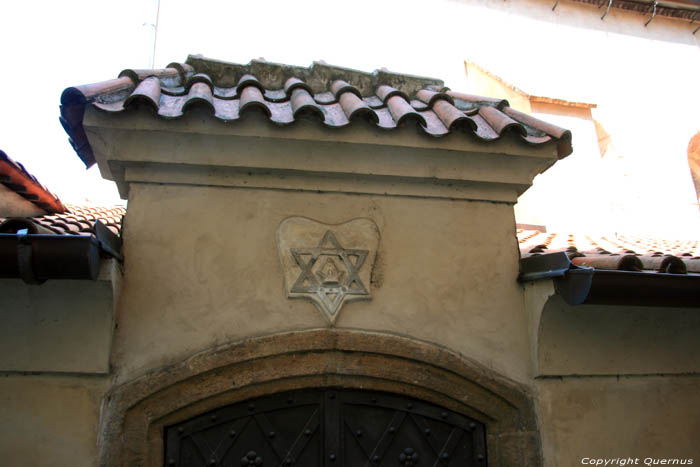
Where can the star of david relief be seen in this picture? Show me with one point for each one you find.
(328, 264)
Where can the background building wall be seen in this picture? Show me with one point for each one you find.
(642, 79)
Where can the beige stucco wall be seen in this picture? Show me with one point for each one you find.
(203, 269)
(614, 381)
(614, 417)
(55, 345)
(50, 420)
(617, 340)
(59, 326)
(483, 83)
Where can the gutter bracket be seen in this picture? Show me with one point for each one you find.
(652, 14)
(607, 10)
(575, 286)
(24, 258)
(108, 241)
(544, 267)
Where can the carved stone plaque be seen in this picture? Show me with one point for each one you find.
(328, 264)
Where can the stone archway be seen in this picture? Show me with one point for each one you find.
(135, 414)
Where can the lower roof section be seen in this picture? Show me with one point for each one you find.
(587, 285)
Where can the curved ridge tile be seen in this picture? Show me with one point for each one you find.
(227, 109)
(535, 140)
(295, 92)
(386, 92)
(386, 121)
(304, 105)
(111, 107)
(433, 127)
(374, 102)
(295, 83)
(171, 106)
(340, 87)
(401, 110)
(251, 97)
(501, 122)
(161, 73)
(420, 106)
(184, 70)
(148, 91)
(451, 116)
(335, 116)
(98, 91)
(275, 95)
(477, 101)
(199, 94)
(483, 130)
(536, 123)
(324, 98)
(563, 137)
(199, 78)
(430, 97)
(225, 93)
(249, 80)
(281, 112)
(354, 107)
(172, 91)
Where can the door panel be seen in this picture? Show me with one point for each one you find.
(330, 428)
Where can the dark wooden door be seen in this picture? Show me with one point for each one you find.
(327, 427)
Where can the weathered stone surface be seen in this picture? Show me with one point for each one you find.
(136, 412)
(328, 264)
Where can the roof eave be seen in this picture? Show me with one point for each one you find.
(584, 285)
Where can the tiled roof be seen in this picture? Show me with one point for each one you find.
(15, 177)
(683, 9)
(333, 96)
(614, 252)
(80, 219)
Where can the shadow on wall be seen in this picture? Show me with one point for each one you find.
(617, 340)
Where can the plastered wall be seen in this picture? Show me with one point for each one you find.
(610, 417)
(614, 381)
(50, 420)
(203, 269)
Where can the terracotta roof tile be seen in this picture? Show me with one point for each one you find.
(614, 252)
(331, 95)
(15, 177)
(80, 219)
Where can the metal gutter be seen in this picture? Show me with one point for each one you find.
(36, 258)
(682, 9)
(585, 285)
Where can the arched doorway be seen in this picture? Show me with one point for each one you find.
(331, 427)
(139, 416)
